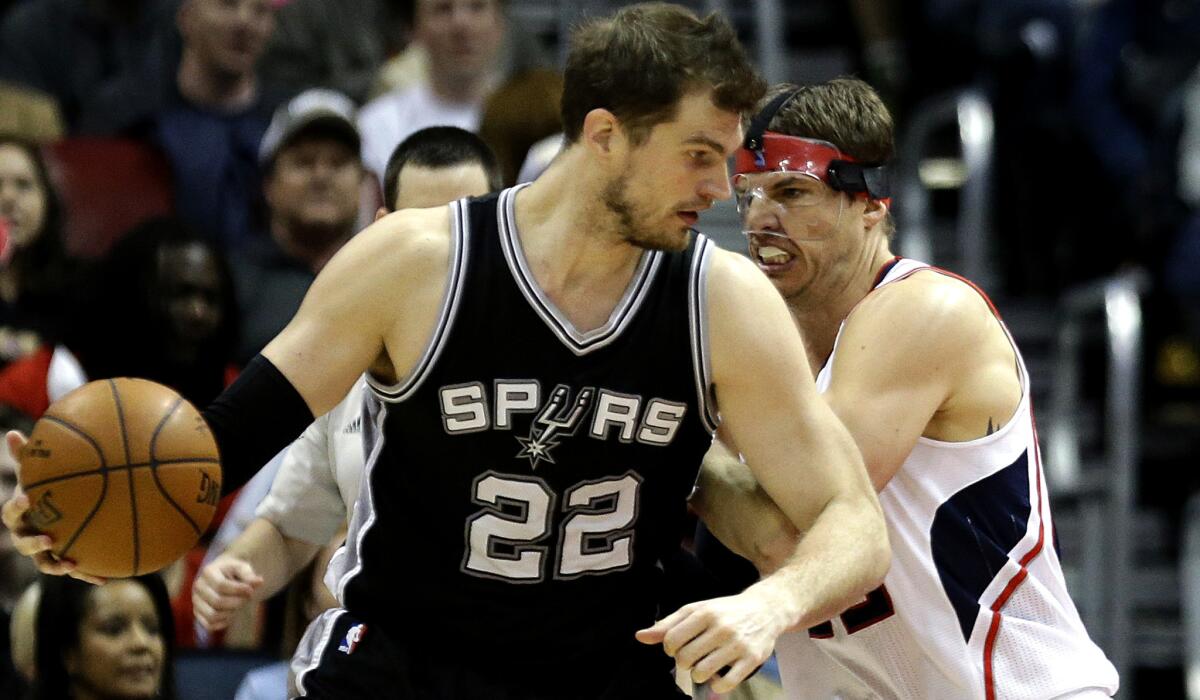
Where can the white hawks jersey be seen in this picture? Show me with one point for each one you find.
(975, 604)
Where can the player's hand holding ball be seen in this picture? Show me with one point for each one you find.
(25, 538)
(119, 478)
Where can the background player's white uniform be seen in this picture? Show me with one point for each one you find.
(975, 604)
(318, 480)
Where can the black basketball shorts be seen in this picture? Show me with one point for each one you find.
(341, 657)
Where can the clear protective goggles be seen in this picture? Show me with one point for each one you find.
(784, 185)
(788, 180)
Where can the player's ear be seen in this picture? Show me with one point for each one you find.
(380, 213)
(875, 211)
(600, 132)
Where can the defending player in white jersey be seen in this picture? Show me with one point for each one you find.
(917, 364)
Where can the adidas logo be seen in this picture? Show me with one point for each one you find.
(354, 426)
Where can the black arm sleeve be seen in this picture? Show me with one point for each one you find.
(257, 416)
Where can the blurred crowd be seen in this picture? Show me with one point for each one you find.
(175, 173)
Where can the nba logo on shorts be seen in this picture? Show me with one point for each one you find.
(353, 636)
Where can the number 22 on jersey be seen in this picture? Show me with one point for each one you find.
(507, 538)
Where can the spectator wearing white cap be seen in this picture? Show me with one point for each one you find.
(312, 177)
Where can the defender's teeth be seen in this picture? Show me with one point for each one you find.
(772, 255)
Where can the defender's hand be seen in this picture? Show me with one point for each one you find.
(27, 540)
(737, 632)
(222, 588)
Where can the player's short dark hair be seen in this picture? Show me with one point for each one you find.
(846, 112)
(438, 147)
(639, 62)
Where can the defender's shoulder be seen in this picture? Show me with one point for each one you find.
(944, 309)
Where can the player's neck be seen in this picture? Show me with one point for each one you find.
(819, 312)
(562, 221)
(572, 243)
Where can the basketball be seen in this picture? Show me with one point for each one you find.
(123, 474)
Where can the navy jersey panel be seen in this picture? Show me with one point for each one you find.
(973, 533)
(527, 490)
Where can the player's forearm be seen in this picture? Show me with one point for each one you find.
(739, 512)
(255, 418)
(274, 556)
(841, 558)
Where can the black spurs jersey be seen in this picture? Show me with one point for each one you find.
(524, 482)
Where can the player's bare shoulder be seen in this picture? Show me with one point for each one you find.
(943, 309)
(415, 248)
(416, 242)
(934, 327)
(746, 318)
(734, 279)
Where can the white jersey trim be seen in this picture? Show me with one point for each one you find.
(698, 326)
(348, 559)
(329, 620)
(459, 243)
(580, 343)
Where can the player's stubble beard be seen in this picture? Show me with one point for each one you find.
(616, 199)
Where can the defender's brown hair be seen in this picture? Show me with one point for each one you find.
(845, 112)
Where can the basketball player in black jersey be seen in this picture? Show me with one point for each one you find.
(548, 365)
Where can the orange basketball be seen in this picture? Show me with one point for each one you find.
(123, 474)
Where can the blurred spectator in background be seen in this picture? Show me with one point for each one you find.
(29, 114)
(337, 44)
(163, 308)
(1179, 357)
(109, 641)
(520, 113)
(100, 59)
(520, 50)
(1017, 55)
(15, 570)
(1129, 108)
(463, 40)
(312, 180)
(211, 125)
(1133, 106)
(34, 268)
(160, 306)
